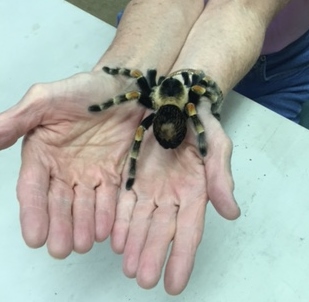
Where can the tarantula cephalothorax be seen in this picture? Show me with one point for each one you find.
(174, 99)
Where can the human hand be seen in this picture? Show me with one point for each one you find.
(168, 203)
(71, 160)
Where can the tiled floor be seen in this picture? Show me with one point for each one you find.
(104, 9)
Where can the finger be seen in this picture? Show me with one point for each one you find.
(32, 193)
(106, 196)
(189, 231)
(154, 253)
(20, 119)
(139, 226)
(83, 218)
(125, 207)
(60, 236)
(220, 184)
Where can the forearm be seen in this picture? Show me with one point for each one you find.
(151, 34)
(227, 39)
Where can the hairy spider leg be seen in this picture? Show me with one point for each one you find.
(208, 88)
(139, 135)
(134, 73)
(186, 78)
(196, 78)
(142, 97)
(161, 79)
(141, 80)
(214, 90)
(198, 126)
(151, 77)
(117, 100)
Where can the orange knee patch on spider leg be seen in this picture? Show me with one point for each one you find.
(139, 133)
(198, 89)
(132, 95)
(136, 73)
(191, 109)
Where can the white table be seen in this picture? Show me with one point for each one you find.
(263, 256)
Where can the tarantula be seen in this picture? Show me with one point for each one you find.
(174, 99)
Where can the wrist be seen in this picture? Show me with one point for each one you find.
(228, 48)
(151, 34)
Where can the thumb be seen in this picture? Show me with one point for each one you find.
(220, 184)
(24, 116)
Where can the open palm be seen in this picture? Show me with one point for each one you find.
(168, 203)
(71, 160)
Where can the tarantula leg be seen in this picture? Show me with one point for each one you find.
(199, 128)
(117, 100)
(139, 135)
(216, 115)
(186, 78)
(195, 78)
(151, 76)
(205, 91)
(161, 79)
(208, 88)
(134, 73)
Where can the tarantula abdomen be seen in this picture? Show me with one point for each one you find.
(169, 126)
